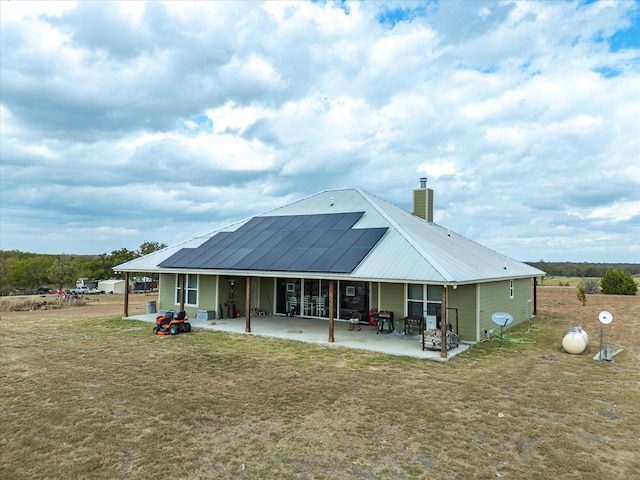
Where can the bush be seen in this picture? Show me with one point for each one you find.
(590, 285)
(616, 282)
(581, 296)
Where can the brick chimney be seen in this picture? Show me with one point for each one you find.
(423, 201)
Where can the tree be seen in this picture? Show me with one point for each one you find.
(121, 256)
(100, 267)
(62, 272)
(30, 273)
(149, 247)
(616, 282)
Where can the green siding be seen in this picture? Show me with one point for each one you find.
(464, 299)
(206, 294)
(207, 299)
(267, 289)
(167, 292)
(522, 301)
(494, 297)
(392, 298)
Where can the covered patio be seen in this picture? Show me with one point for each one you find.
(314, 330)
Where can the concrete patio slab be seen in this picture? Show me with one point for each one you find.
(316, 330)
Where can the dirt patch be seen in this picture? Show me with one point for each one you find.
(94, 306)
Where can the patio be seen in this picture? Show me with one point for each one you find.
(315, 330)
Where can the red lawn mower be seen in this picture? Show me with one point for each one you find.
(172, 323)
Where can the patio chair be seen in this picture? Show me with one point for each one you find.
(320, 310)
(293, 303)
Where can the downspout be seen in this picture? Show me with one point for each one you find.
(247, 327)
(331, 309)
(126, 294)
(443, 322)
(535, 295)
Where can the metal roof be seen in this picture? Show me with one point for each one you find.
(411, 250)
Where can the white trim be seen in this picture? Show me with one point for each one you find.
(186, 289)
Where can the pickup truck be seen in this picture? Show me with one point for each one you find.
(84, 290)
(79, 290)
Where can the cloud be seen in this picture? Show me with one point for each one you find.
(135, 121)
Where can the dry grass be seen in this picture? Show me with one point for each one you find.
(42, 303)
(87, 397)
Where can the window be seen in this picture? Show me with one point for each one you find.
(511, 289)
(423, 300)
(415, 300)
(190, 289)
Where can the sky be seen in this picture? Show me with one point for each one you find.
(132, 122)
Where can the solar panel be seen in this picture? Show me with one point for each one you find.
(291, 243)
(327, 261)
(310, 239)
(311, 222)
(329, 238)
(304, 263)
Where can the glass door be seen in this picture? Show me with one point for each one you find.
(311, 292)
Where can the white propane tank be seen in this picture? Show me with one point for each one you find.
(575, 341)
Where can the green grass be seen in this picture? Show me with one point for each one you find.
(104, 398)
(562, 281)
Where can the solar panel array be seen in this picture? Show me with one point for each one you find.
(289, 243)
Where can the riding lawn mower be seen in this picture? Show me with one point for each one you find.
(172, 323)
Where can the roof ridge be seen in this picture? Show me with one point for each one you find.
(435, 264)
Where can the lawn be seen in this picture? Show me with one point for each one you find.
(565, 281)
(92, 396)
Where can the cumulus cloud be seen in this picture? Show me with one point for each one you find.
(135, 121)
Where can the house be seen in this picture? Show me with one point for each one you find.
(341, 253)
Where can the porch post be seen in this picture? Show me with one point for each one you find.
(331, 309)
(182, 280)
(126, 294)
(247, 327)
(443, 322)
(535, 295)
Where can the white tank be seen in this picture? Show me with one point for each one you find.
(575, 341)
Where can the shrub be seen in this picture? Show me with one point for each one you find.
(616, 282)
(590, 285)
(581, 295)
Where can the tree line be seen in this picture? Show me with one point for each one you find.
(587, 270)
(28, 272)
(24, 272)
